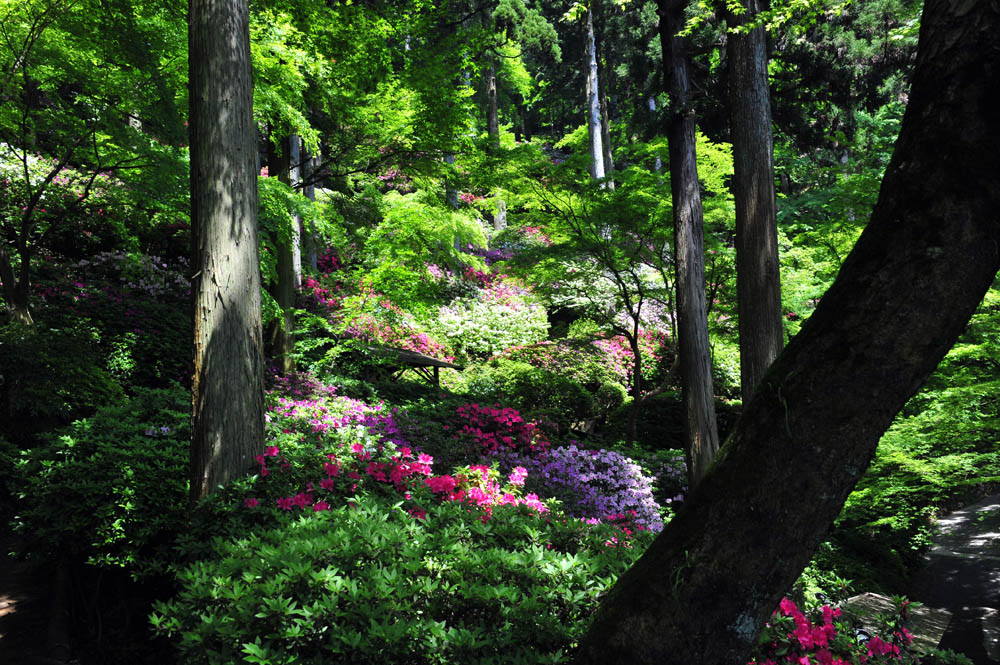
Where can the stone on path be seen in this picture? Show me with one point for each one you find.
(928, 624)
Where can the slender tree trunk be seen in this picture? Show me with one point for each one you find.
(638, 388)
(594, 125)
(701, 430)
(703, 590)
(609, 161)
(450, 193)
(758, 284)
(492, 105)
(228, 391)
(309, 191)
(289, 262)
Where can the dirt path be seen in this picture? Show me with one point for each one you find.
(962, 575)
(24, 609)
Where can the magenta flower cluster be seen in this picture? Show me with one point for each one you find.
(492, 429)
(311, 411)
(793, 637)
(619, 356)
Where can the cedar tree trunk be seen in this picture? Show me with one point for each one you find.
(758, 285)
(703, 590)
(492, 105)
(228, 389)
(594, 125)
(701, 430)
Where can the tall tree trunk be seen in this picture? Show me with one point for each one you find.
(701, 430)
(758, 284)
(14, 296)
(450, 193)
(289, 262)
(594, 125)
(609, 161)
(703, 590)
(309, 191)
(228, 389)
(492, 104)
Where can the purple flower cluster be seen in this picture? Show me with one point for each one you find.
(491, 256)
(592, 484)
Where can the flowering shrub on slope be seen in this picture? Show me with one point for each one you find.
(592, 484)
(827, 638)
(500, 316)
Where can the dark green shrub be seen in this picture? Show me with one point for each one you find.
(608, 398)
(534, 391)
(369, 583)
(111, 489)
(661, 421)
(574, 358)
(50, 377)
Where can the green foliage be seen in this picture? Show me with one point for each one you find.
(51, 376)
(118, 481)
(414, 232)
(533, 390)
(369, 583)
(608, 398)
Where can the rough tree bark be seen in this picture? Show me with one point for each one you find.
(758, 285)
(701, 431)
(492, 104)
(705, 587)
(228, 389)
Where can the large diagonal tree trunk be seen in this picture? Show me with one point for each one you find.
(701, 431)
(228, 389)
(704, 589)
(758, 285)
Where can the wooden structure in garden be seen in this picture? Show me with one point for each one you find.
(427, 367)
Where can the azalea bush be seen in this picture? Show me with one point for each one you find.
(348, 543)
(535, 390)
(490, 429)
(367, 582)
(51, 376)
(119, 479)
(828, 636)
(591, 484)
(575, 359)
(498, 317)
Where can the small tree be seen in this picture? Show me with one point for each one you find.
(611, 257)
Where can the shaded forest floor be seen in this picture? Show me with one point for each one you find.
(962, 575)
(25, 603)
